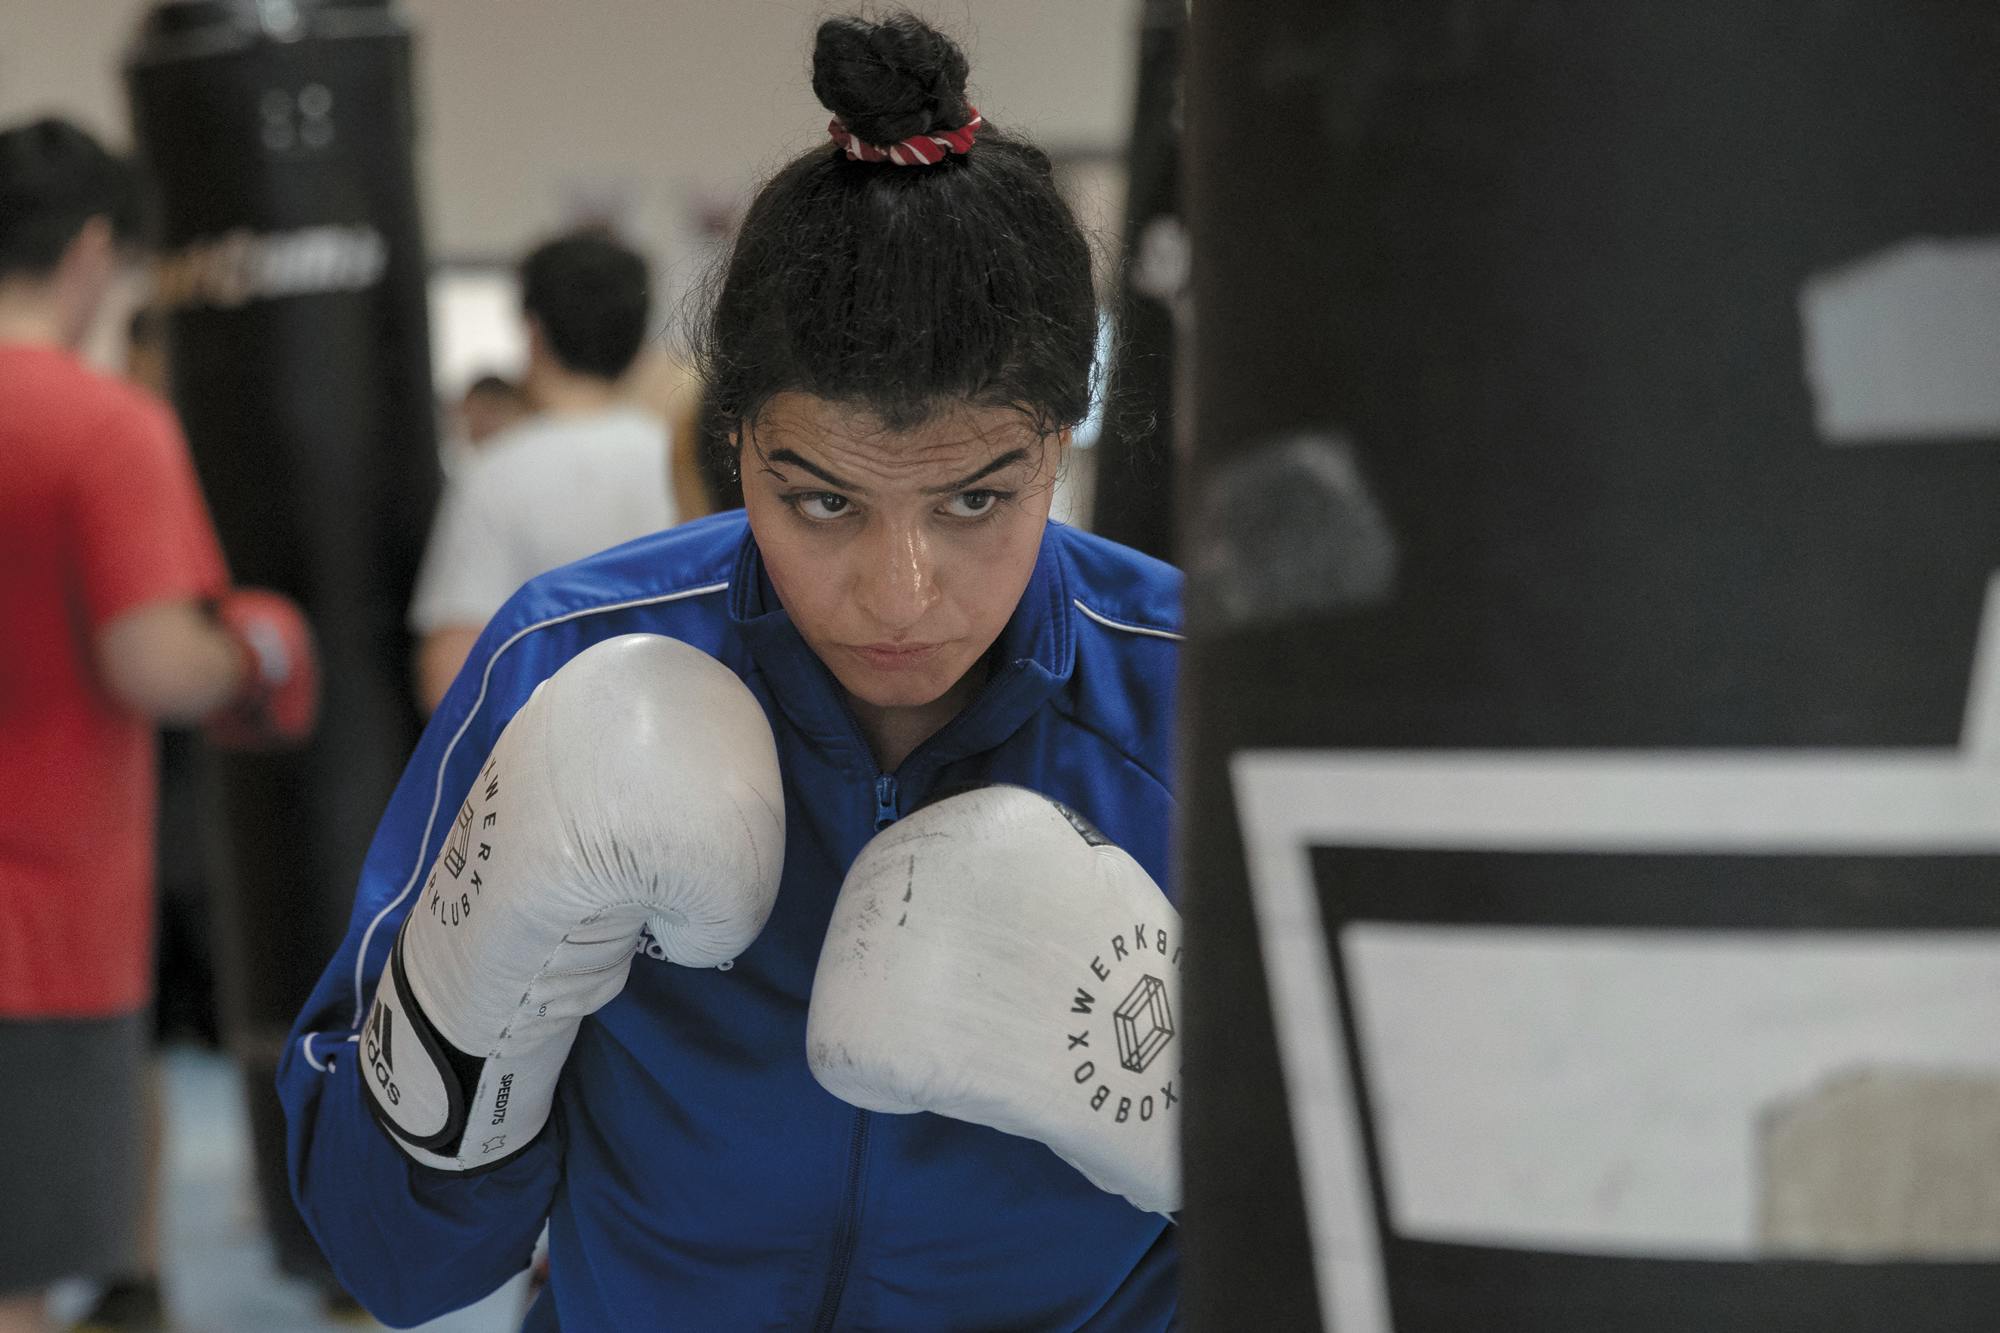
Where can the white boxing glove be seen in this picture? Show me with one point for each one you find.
(994, 959)
(637, 788)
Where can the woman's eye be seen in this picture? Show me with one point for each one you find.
(821, 505)
(972, 504)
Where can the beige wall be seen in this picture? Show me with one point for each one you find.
(535, 109)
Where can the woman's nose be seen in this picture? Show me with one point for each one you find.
(899, 580)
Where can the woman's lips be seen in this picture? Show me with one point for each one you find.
(894, 656)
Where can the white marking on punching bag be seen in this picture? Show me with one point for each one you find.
(1585, 1090)
(1903, 345)
(1289, 529)
(1785, 801)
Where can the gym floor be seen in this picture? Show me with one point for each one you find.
(219, 1276)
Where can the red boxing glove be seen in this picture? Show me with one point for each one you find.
(278, 702)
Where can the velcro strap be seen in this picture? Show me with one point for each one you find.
(416, 1081)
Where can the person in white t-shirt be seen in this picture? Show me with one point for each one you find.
(588, 470)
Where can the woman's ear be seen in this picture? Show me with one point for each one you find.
(735, 437)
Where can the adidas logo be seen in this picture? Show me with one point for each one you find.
(375, 1048)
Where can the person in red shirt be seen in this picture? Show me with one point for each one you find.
(118, 616)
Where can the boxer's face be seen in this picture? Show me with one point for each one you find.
(899, 554)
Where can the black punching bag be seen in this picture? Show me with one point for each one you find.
(1133, 500)
(1593, 703)
(277, 139)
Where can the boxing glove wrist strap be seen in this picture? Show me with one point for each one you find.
(424, 1090)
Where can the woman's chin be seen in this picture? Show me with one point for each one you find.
(902, 692)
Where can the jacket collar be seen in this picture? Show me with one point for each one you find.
(1032, 659)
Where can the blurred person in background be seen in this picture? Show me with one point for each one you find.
(489, 405)
(588, 470)
(183, 961)
(120, 617)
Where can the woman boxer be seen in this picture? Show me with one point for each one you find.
(683, 745)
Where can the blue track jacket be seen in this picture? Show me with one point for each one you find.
(693, 1175)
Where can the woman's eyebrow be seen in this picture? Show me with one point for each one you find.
(787, 456)
(1006, 460)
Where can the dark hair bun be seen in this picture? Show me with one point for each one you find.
(890, 80)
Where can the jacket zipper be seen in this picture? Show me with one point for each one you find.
(885, 802)
(850, 1224)
(886, 795)
(857, 1148)
(888, 792)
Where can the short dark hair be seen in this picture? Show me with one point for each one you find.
(904, 290)
(591, 295)
(54, 177)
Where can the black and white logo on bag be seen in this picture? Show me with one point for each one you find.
(240, 266)
(1120, 1027)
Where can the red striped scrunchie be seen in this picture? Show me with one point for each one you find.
(919, 150)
